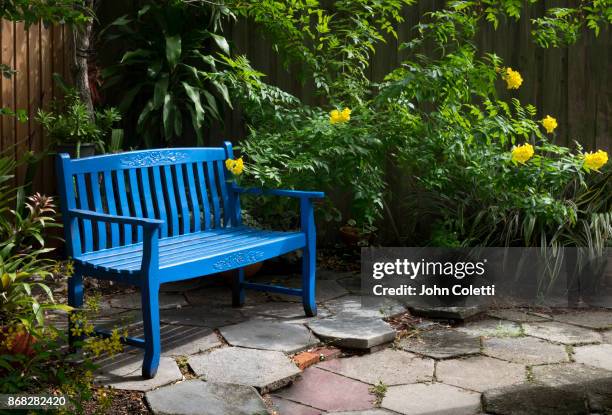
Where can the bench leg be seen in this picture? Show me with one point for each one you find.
(238, 289)
(308, 282)
(75, 299)
(150, 315)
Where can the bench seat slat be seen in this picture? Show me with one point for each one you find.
(208, 249)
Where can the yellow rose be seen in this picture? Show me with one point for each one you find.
(346, 114)
(549, 124)
(595, 161)
(521, 154)
(513, 78)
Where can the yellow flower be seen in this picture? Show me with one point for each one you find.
(336, 116)
(594, 161)
(235, 166)
(513, 78)
(522, 153)
(549, 124)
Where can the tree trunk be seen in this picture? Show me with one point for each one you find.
(81, 38)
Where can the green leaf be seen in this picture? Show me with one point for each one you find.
(160, 90)
(173, 50)
(168, 116)
(221, 42)
(128, 98)
(223, 91)
(133, 56)
(194, 96)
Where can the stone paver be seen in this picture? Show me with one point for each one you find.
(348, 330)
(480, 373)
(328, 391)
(527, 350)
(215, 296)
(124, 372)
(203, 316)
(595, 383)
(518, 316)
(529, 399)
(561, 333)
(365, 306)
(391, 367)
(132, 300)
(607, 336)
(491, 328)
(194, 397)
(429, 399)
(597, 319)
(265, 370)
(442, 344)
(598, 355)
(269, 335)
(351, 283)
(181, 286)
(282, 310)
(283, 406)
(325, 290)
(448, 313)
(185, 341)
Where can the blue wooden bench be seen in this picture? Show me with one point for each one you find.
(145, 218)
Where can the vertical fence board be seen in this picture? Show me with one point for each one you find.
(8, 87)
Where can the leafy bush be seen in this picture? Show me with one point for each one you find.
(172, 70)
(478, 170)
(69, 122)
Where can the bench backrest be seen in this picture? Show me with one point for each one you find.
(184, 187)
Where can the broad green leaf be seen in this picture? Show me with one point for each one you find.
(138, 55)
(194, 96)
(223, 91)
(173, 50)
(128, 98)
(168, 116)
(160, 90)
(221, 42)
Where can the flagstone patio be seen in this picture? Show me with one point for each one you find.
(219, 360)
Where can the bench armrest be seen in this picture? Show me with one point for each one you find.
(124, 220)
(302, 194)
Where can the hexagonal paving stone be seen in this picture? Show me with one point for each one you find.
(594, 383)
(325, 290)
(527, 350)
(595, 319)
(428, 399)
(283, 406)
(365, 306)
(123, 371)
(347, 330)
(194, 397)
(351, 283)
(266, 370)
(269, 335)
(480, 373)
(391, 367)
(529, 399)
(518, 316)
(491, 328)
(133, 301)
(442, 344)
(562, 333)
(329, 392)
(598, 355)
(203, 316)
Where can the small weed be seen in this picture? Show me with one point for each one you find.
(379, 390)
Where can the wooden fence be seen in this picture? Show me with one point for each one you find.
(35, 54)
(572, 84)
